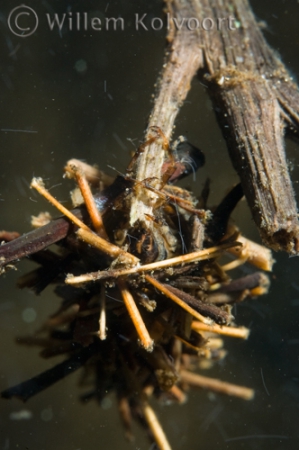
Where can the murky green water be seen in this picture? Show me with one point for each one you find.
(85, 94)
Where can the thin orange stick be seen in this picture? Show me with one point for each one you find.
(233, 264)
(213, 384)
(112, 250)
(84, 231)
(37, 183)
(177, 300)
(74, 170)
(197, 349)
(145, 339)
(200, 255)
(238, 332)
(155, 427)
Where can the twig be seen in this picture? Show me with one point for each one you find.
(177, 300)
(155, 427)
(58, 229)
(74, 170)
(240, 332)
(145, 339)
(218, 315)
(255, 97)
(213, 384)
(24, 391)
(201, 255)
(84, 233)
(182, 64)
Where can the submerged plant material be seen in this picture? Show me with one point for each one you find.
(146, 298)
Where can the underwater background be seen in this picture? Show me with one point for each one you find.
(87, 94)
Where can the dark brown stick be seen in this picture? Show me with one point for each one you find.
(59, 228)
(24, 391)
(255, 93)
(218, 315)
(255, 96)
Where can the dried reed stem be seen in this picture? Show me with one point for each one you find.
(200, 255)
(37, 184)
(240, 332)
(145, 339)
(213, 384)
(177, 300)
(155, 427)
(112, 250)
(75, 171)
